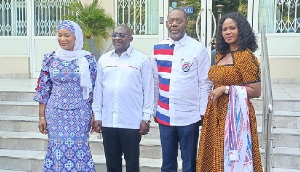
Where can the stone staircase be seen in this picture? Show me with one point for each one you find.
(22, 147)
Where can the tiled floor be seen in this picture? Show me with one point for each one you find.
(293, 90)
(280, 91)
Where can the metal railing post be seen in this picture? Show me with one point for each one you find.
(267, 128)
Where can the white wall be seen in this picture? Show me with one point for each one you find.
(284, 45)
(13, 46)
(144, 43)
(43, 45)
(14, 58)
(284, 54)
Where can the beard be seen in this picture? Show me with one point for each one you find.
(177, 36)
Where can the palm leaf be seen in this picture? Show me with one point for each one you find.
(92, 19)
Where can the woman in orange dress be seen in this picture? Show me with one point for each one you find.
(235, 64)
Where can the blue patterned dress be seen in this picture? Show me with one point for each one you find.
(67, 114)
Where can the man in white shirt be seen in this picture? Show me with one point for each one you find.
(180, 69)
(123, 101)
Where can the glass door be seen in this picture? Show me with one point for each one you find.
(192, 8)
(203, 17)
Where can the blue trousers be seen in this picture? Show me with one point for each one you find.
(187, 137)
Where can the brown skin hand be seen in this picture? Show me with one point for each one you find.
(97, 126)
(144, 128)
(42, 122)
(253, 91)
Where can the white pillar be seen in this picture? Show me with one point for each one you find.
(30, 35)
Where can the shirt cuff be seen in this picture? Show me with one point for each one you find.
(98, 116)
(202, 110)
(146, 116)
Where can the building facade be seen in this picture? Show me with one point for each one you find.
(27, 29)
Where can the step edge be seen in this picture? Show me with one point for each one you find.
(18, 103)
(93, 138)
(96, 158)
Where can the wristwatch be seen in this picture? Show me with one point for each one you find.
(147, 121)
(226, 89)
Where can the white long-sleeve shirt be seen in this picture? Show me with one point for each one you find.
(180, 70)
(124, 89)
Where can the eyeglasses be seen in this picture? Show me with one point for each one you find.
(120, 35)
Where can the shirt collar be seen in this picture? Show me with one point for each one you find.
(182, 41)
(128, 51)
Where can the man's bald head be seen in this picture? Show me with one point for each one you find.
(177, 24)
(122, 36)
(178, 9)
(128, 29)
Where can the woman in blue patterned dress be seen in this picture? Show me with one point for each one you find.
(64, 93)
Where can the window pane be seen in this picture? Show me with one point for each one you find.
(13, 15)
(48, 14)
(283, 16)
(140, 15)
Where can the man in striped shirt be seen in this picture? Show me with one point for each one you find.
(181, 87)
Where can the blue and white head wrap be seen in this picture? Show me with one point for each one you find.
(67, 24)
(75, 29)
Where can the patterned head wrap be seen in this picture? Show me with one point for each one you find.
(66, 24)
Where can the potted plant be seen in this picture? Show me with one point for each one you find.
(94, 22)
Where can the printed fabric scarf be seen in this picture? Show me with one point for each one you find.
(237, 140)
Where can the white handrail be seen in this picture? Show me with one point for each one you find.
(268, 113)
(215, 27)
(197, 25)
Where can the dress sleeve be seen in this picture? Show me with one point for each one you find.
(44, 84)
(93, 72)
(249, 68)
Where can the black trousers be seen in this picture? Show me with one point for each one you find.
(117, 141)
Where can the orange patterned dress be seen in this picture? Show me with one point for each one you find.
(244, 70)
